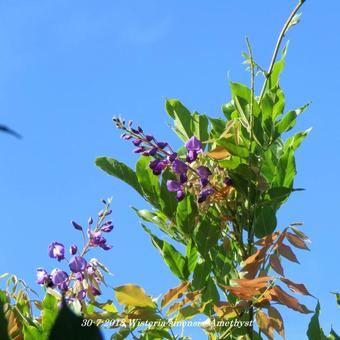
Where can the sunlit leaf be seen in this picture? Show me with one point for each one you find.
(174, 293)
(132, 295)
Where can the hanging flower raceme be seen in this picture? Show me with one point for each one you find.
(79, 269)
(165, 158)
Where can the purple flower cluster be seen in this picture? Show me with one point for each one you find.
(164, 157)
(79, 268)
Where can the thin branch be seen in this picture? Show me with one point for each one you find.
(278, 44)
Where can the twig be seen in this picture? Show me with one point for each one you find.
(278, 44)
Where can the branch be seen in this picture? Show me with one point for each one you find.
(278, 44)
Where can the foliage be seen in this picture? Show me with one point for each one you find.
(212, 217)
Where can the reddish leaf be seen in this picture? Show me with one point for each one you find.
(296, 241)
(245, 293)
(268, 240)
(287, 252)
(275, 263)
(263, 321)
(276, 320)
(279, 295)
(296, 287)
(258, 283)
(300, 234)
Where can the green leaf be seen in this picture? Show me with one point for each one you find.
(148, 182)
(119, 170)
(242, 100)
(265, 220)
(181, 116)
(191, 256)
(236, 150)
(218, 125)
(337, 295)
(70, 326)
(199, 126)
(201, 274)
(273, 80)
(228, 110)
(295, 141)
(32, 333)
(285, 170)
(49, 312)
(187, 124)
(315, 331)
(186, 214)
(333, 335)
(3, 324)
(211, 291)
(173, 258)
(206, 234)
(289, 120)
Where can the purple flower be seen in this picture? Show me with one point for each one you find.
(180, 195)
(77, 264)
(105, 246)
(228, 181)
(204, 194)
(139, 150)
(94, 291)
(126, 136)
(107, 228)
(90, 220)
(193, 144)
(137, 142)
(73, 249)
(174, 186)
(203, 171)
(96, 238)
(104, 213)
(183, 177)
(172, 157)
(56, 250)
(135, 131)
(157, 166)
(162, 145)
(204, 182)
(79, 276)
(42, 276)
(179, 167)
(149, 138)
(76, 225)
(81, 295)
(59, 278)
(150, 152)
(191, 156)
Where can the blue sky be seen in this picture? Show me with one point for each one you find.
(67, 67)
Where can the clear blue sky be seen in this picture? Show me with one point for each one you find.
(66, 67)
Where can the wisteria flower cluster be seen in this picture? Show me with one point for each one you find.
(187, 170)
(82, 277)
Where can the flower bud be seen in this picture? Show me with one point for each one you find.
(73, 249)
(76, 225)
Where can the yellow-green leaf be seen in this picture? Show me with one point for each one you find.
(132, 295)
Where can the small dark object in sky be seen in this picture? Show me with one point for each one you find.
(6, 129)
